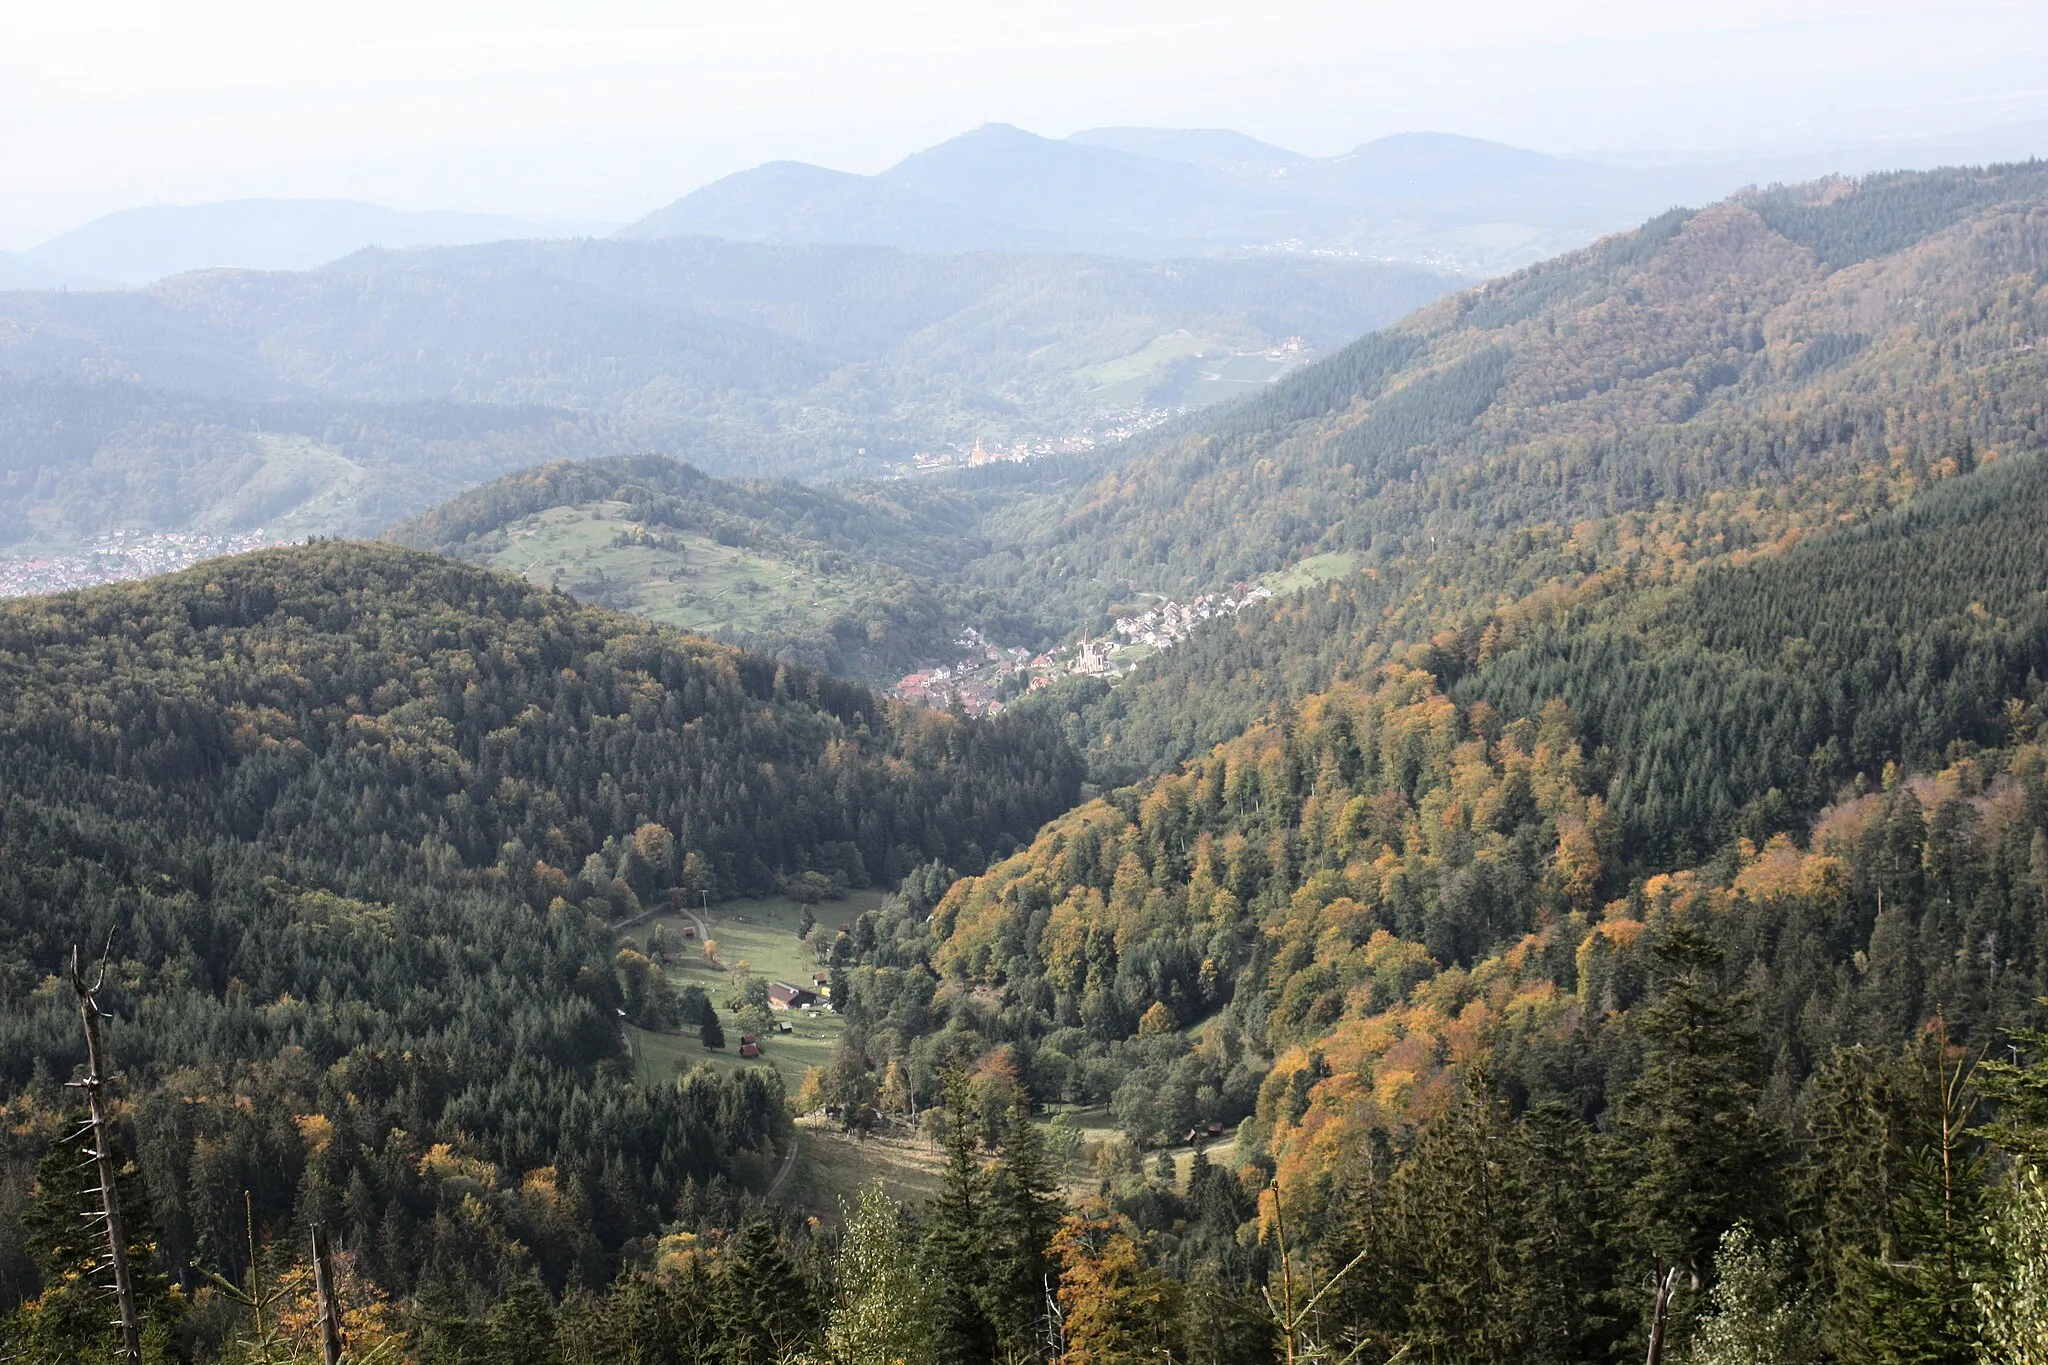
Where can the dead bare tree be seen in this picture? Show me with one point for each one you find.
(1293, 1309)
(329, 1306)
(1660, 1314)
(101, 1156)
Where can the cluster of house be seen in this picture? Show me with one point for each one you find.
(1107, 430)
(120, 557)
(985, 672)
(975, 677)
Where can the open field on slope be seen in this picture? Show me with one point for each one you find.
(1184, 368)
(687, 581)
(761, 934)
(1311, 571)
(833, 1166)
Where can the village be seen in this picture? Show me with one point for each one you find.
(118, 558)
(1111, 429)
(986, 676)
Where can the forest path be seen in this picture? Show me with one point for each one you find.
(788, 1165)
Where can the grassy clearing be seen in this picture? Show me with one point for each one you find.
(832, 1166)
(1125, 379)
(687, 581)
(1313, 570)
(1225, 377)
(761, 934)
(1184, 367)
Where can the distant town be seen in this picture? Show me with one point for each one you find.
(119, 558)
(986, 676)
(1108, 431)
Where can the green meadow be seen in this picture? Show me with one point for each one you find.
(761, 937)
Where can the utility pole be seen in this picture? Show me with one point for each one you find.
(102, 1155)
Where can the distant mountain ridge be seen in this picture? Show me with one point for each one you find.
(1453, 202)
(138, 246)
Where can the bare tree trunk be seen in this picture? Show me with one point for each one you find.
(102, 1153)
(1660, 1316)
(329, 1304)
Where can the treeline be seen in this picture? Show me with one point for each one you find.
(354, 822)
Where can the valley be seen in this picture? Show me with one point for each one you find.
(342, 400)
(1542, 797)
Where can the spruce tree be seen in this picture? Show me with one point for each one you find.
(1703, 1158)
(964, 1332)
(765, 1306)
(521, 1330)
(1914, 1302)
(1025, 1212)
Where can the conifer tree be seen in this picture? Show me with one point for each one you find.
(1024, 1214)
(765, 1305)
(964, 1332)
(68, 1320)
(1703, 1159)
(1915, 1301)
(521, 1330)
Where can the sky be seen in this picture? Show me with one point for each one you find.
(602, 110)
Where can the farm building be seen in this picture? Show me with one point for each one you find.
(783, 996)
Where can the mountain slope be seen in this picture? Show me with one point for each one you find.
(354, 821)
(1706, 596)
(1706, 351)
(1341, 930)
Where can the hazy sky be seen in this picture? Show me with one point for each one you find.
(604, 109)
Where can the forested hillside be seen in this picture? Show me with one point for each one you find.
(1819, 343)
(351, 822)
(1720, 939)
(1703, 390)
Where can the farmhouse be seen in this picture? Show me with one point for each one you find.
(783, 996)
